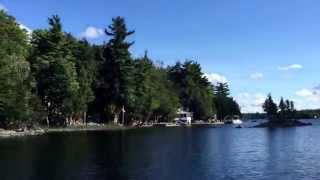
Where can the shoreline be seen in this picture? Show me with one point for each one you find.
(103, 127)
(285, 124)
(77, 128)
(90, 127)
(82, 128)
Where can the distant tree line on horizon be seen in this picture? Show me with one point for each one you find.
(52, 77)
(297, 114)
(300, 114)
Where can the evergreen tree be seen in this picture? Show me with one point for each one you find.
(85, 65)
(270, 108)
(194, 90)
(292, 110)
(55, 76)
(225, 105)
(282, 109)
(53, 67)
(222, 90)
(286, 110)
(117, 72)
(15, 80)
(144, 89)
(154, 98)
(165, 101)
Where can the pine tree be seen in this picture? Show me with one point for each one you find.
(54, 69)
(85, 65)
(282, 109)
(194, 90)
(15, 79)
(270, 108)
(226, 106)
(292, 110)
(144, 95)
(222, 90)
(117, 72)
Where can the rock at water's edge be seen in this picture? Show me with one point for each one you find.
(294, 123)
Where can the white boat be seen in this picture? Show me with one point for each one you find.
(233, 120)
(184, 118)
(172, 125)
(237, 121)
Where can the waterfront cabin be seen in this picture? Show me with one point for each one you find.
(183, 117)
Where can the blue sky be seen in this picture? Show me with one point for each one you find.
(256, 46)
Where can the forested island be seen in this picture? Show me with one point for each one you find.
(282, 115)
(51, 78)
(300, 114)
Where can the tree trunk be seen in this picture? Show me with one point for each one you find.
(85, 118)
(116, 118)
(48, 123)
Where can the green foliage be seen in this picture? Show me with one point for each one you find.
(57, 77)
(222, 90)
(85, 66)
(53, 66)
(194, 90)
(270, 108)
(117, 71)
(284, 112)
(225, 105)
(154, 94)
(15, 81)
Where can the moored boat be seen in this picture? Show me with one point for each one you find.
(237, 121)
(233, 120)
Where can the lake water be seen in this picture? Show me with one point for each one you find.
(166, 153)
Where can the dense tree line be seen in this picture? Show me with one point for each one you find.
(279, 113)
(225, 105)
(50, 77)
(308, 114)
(300, 114)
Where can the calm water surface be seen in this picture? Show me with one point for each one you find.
(176, 153)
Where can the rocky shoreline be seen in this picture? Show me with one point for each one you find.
(15, 133)
(89, 127)
(75, 128)
(294, 123)
(112, 127)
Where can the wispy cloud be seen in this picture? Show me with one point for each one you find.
(215, 78)
(250, 102)
(256, 75)
(24, 27)
(2, 7)
(290, 67)
(309, 94)
(92, 33)
(309, 98)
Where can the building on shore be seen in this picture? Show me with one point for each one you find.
(184, 117)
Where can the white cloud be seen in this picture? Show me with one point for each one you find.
(304, 104)
(92, 33)
(308, 98)
(290, 67)
(2, 7)
(304, 93)
(309, 94)
(215, 78)
(22, 26)
(250, 102)
(256, 75)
